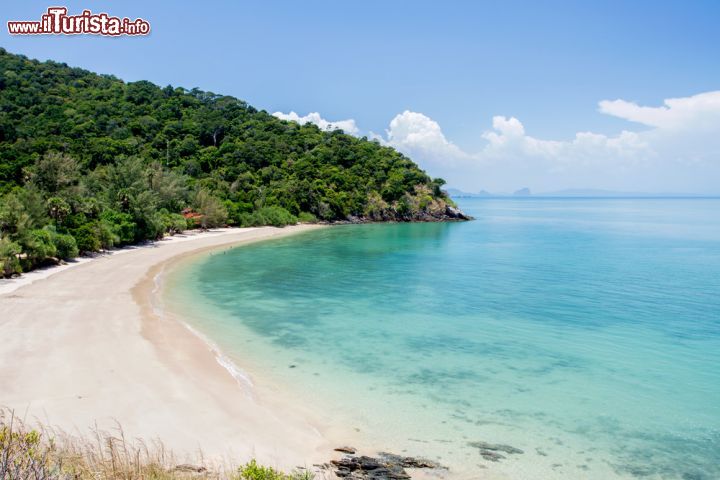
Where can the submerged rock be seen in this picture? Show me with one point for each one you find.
(386, 466)
(368, 468)
(491, 456)
(489, 451)
(346, 450)
(408, 462)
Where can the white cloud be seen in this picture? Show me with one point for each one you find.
(698, 111)
(414, 133)
(677, 149)
(348, 126)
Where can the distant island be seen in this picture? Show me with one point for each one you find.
(89, 162)
(572, 193)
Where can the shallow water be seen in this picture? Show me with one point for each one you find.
(585, 332)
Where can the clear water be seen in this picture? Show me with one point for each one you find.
(585, 332)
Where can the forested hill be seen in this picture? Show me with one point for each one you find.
(88, 161)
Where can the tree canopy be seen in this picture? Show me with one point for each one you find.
(88, 161)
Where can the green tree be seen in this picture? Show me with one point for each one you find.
(58, 209)
(53, 172)
(9, 257)
(110, 163)
(87, 238)
(212, 210)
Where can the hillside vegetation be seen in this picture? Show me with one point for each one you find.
(89, 162)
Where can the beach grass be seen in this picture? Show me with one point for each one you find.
(39, 452)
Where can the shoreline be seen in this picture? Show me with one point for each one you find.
(9, 285)
(337, 428)
(86, 349)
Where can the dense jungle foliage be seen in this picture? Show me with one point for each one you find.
(88, 162)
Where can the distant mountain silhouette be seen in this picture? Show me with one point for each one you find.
(572, 193)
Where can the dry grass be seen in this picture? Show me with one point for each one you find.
(29, 453)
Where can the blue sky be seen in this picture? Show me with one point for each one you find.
(546, 65)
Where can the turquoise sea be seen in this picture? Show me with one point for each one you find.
(585, 332)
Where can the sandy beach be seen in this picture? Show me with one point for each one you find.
(81, 346)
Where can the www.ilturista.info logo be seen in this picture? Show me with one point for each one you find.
(56, 21)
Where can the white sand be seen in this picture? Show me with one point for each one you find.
(80, 345)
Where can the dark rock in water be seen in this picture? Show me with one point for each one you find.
(350, 450)
(492, 456)
(445, 213)
(368, 468)
(408, 462)
(456, 213)
(694, 476)
(489, 451)
(495, 447)
(386, 467)
(355, 219)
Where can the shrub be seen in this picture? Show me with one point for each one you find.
(213, 211)
(406, 205)
(375, 207)
(9, 262)
(253, 471)
(35, 248)
(21, 211)
(40, 246)
(44, 454)
(106, 234)
(87, 238)
(122, 225)
(274, 215)
(174, 223)
(306, 217)
(66, 246)
(277, 216)
(153, 228)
